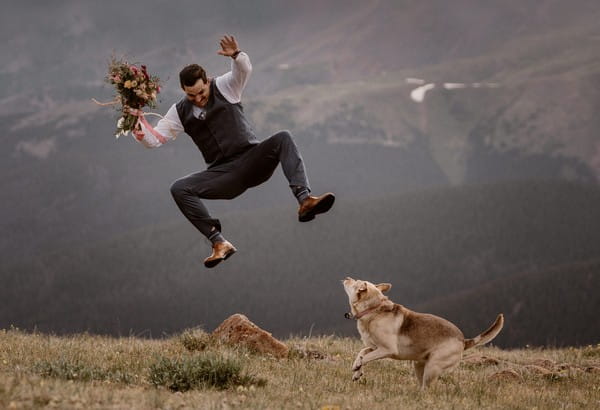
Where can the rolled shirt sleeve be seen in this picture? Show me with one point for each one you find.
(168, 127)
(232, 83)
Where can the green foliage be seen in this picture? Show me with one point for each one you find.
(75, 370)
(193, 372)
(195, 339)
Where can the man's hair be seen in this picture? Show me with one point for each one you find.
(190, 74)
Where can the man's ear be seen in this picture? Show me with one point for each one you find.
(384, 287)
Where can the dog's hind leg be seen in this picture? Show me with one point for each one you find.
(419, 367)
(431, 372)
(439, 361)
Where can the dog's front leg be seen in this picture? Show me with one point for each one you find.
(358, 362)
(366, 355)
(376, 354)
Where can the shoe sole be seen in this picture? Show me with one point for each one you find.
(323, 206)
(215, 262)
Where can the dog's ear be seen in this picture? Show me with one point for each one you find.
(384, 287)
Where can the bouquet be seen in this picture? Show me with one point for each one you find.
(135, 90)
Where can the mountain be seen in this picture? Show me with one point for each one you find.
(401, 108)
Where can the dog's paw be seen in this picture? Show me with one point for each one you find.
(357, 375)
(356, 365)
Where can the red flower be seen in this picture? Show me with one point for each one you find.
(145, 73)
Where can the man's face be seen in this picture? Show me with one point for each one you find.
(198, 93)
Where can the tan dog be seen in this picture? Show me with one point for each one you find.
(392, 331)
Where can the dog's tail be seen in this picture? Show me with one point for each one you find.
(488, 335)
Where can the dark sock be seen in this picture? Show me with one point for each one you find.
(216, 237)
(300, 192)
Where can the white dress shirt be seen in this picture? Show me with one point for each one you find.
(230, 84)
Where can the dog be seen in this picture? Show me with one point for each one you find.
(389, 330)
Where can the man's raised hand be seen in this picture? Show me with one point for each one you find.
(229, 46)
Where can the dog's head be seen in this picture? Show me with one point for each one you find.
(363, 295)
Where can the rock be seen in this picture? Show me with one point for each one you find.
(569, 367)
(480, 360)
(532, 368)
(546, 363)
(305, 353)
(506, 375)
(592, 369)
(238, 330)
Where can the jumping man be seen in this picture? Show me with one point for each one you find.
(211, 114)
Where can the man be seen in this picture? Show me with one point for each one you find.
(211, 114)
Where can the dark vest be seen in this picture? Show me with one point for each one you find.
(224, 133)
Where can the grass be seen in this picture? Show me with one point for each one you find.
(196, 372)
(191, 370)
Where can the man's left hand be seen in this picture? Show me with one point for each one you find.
(229, 46)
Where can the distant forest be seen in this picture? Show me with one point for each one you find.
(528, 249)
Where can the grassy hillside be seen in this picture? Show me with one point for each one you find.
(429, 245)
(83, 371)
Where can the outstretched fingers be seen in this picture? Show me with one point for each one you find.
(228, 45)
(228, 39)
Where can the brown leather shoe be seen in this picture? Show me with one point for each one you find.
(220, 252)
(314, 205)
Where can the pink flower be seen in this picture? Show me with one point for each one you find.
(133, 69)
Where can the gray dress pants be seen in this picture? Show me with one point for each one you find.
(230, 179)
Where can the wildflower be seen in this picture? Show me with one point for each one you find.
(127, 84)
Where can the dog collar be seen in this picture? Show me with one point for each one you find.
(349, 315)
